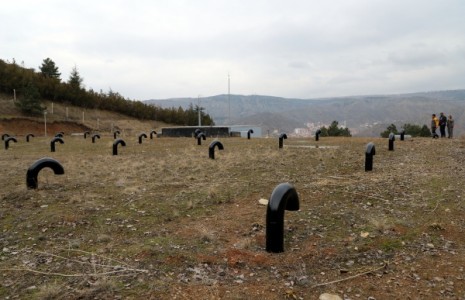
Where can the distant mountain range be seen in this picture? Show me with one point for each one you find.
(363, 115)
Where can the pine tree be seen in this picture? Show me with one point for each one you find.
(29, 103)
(49, 69)
(75, 80)
(390, 129)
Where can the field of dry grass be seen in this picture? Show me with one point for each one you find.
(161, 220)
(92, 119)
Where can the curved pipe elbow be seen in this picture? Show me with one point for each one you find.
(370, 149)
(369, 153)
(317, 135)
(392, 138)
(284, 197)
(282, 137)
(249, 133)
(36, 167)
(53, 141)
(200, 136)
(115, 145)
(211, 148)
(94, 137)
(29, 136)
(8, 140)
(142, 135)
(152, 133)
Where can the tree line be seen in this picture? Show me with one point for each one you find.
(335, 130)
(33, 87)
(411, 129)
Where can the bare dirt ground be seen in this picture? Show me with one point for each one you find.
(23, 126)
(68, 119)
(163, 221)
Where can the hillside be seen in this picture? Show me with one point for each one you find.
(69, 119)
(364, 115)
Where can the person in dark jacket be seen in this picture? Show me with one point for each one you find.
(442, 124)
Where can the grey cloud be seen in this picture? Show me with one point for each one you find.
(299, 65)
(296, 48)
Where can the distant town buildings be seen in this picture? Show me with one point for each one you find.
(311, 128)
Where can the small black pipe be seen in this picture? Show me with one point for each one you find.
(28, 136)
(211, 148)
(53, 141)
(142, 135)
(95, 136)
(5, 135)
(85, 134)
(200, 136)
(284, 197)
(282, 137)
(59, 135)
(369, 153)
(115, 133)
(197, 132)
(33, 171)
(392, 138)
(402, 135)
(7, 141)
(317, 135)
(152, 133)
(248, 133)
(115, 145)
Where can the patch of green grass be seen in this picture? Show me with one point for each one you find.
(391, 244)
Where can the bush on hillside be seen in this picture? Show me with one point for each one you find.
(410, 129)
(335, 130)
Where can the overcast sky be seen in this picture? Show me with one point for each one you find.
(154, 49)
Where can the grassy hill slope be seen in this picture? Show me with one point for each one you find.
(68, 119)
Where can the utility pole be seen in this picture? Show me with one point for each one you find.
(45, 123)
(198, 100)
(229, 100)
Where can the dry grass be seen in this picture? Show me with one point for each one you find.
(162, 220)
(98, 120)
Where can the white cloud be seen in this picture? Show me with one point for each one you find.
(297, 48)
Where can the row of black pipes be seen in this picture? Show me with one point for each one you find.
(284, 196)
(59, 138)
(198, 134)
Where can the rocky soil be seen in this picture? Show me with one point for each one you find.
(162, 221)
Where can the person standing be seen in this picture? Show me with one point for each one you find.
(450, 127)
(442, 125)
(434, 125)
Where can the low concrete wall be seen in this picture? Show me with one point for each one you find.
(188, 131)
